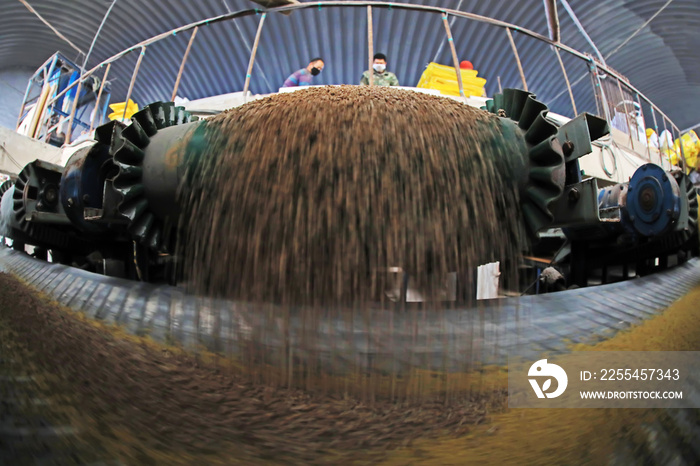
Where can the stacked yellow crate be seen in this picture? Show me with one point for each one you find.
(444, 79)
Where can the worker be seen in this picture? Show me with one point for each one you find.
(303, 76)
(382, 77)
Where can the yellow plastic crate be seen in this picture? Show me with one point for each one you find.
(444, 71)
(443, 78)
(473, 86)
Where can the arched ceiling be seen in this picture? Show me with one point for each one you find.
(653, 42)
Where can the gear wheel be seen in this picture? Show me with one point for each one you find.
(5, 215)
(546, 173)
(36, 192)
(5, 186)
(690, 193)
(127, 145)
(36, 189)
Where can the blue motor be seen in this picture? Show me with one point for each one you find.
(653, 200)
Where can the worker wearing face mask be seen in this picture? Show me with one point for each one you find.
(382, 77)
(303, 76)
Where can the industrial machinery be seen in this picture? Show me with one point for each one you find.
(114, 209)
(122, 207)
(638, 224)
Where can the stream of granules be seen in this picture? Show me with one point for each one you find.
(304, 204)
(310, 197)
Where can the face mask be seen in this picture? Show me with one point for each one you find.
(315, 71)
(379, 68)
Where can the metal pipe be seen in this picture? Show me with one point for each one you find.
(99, 96)
(247, 45)
(653, 116)
(603, 97)
(133, 80)
(24, 103)
(566, 78)
(658, 136)
(550, 9)
(663, 120)
(370, 45)
(182, 65)
(690, 128)
(52, 60)
(442, 44)
(517, 58)
(578, 24)
(94, 39)
(48, 60)
(450, 40)
(685, 162)
(594, 86)
(249, 73)
(641, 110)
(69, 131)
(627, 114)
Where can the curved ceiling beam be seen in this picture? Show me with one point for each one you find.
(579, 26)
(56, 31)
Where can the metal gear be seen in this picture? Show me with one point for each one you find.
(127, 145)
(546, 172)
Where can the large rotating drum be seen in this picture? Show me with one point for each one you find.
(467, 189)
(495, 164)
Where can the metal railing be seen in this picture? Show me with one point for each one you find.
(443, 13)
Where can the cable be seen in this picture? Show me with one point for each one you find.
(99, 29)
(9, 156)
(602, 160)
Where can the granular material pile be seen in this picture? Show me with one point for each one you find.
(129, 400)
(313, 196)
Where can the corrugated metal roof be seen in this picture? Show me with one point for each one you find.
(661, 60)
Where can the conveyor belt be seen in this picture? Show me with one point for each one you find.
(527, 326)
(448, 339)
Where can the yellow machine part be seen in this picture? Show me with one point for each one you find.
(444, 79)
(118, 110)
